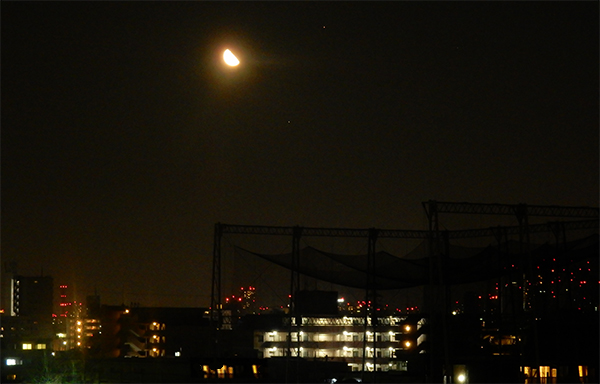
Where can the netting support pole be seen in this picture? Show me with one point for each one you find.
(430, 294)
(370, 304)
(373, 232)
(502, 240)
(216, 313)
(295, 318)
(437, 296)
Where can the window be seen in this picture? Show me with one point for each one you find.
(40, 346)
(27, 346)
(13, 361)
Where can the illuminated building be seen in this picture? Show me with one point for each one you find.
(244, 303)
(8, 272)
(26, 330)
(68, 322)
(249, 299)
(31, 313)
(342, 339)
(148, 332)
(238, 305)
(32, 296)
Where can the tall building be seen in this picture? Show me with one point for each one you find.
(27, 329)
(68, 326)
(32, 296)
(147, 332)
(9, 269)
(343, 339)
(317, 331)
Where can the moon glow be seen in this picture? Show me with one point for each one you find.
(230, 58)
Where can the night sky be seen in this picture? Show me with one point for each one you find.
(125, 138)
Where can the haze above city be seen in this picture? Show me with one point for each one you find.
(126, 138)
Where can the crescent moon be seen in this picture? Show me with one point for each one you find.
(230, 58)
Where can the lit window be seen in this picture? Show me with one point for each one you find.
(27, 346)
(544, 371)
(40, 346)
(11, 361)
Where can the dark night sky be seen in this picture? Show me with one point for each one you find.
(124, 139)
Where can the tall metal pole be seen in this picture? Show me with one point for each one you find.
(373, 287)
(294, 315)
(501, 240)
(522, 214)
(430, 297)
(366, 320)
(215, 293)
(445, 293)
